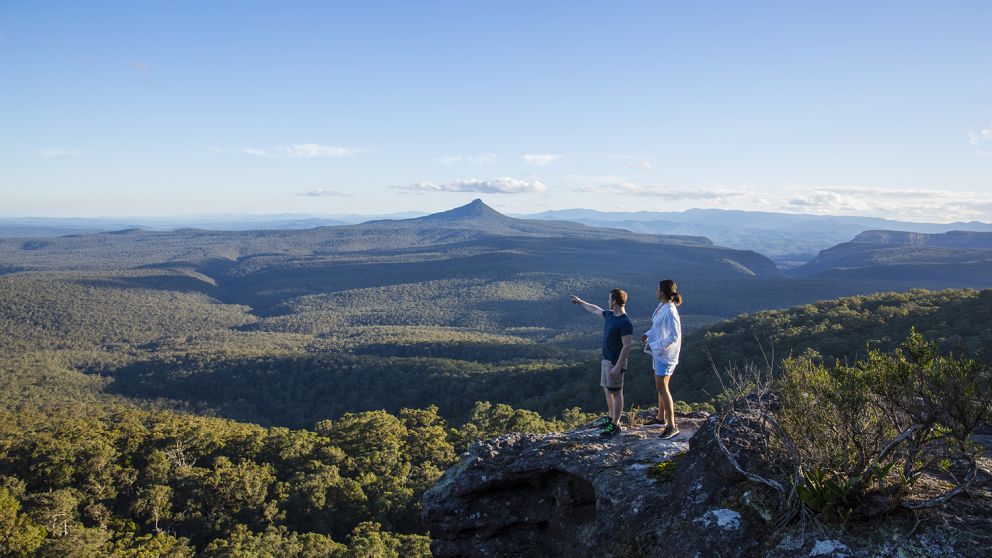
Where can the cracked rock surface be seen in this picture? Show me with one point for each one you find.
(575, 494)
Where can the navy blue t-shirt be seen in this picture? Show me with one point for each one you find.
(613, 330)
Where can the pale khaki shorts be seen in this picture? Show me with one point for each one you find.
(606, 381)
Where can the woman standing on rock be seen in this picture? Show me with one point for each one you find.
(663, 342)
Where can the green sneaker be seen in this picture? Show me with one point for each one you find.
(610, 430)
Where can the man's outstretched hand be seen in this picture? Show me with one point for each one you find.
(576, 300)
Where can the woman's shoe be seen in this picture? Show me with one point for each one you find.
(670, 432)
(656, 420)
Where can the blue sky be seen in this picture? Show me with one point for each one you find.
(181, 108)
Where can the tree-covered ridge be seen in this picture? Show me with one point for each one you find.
(107, 311)
(107, 479)
(472, 225)
(156, 335)
(845, 328)
(480, 303)
(147, 337)
(956, 257)
(950, 239)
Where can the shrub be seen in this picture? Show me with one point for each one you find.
(865, 433)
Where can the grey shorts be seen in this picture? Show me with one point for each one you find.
(606, 381)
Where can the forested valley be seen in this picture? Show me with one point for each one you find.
(252, 394)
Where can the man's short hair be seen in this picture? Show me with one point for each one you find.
(619, 296)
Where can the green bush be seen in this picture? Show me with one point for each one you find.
(865, 433)
(682, 407)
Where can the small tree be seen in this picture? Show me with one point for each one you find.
(19, 535)
(154, 503)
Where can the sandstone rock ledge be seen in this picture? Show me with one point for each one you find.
(575, 494)
(568, 494)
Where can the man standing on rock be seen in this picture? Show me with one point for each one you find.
(618, 332)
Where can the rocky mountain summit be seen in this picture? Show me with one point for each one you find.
(576, 494)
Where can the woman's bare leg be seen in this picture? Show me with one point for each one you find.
(669, 404)
(662, 387)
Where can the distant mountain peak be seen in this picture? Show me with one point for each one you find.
(476, 210)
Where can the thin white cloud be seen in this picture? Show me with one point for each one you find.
(634, 162)
(627, 187)
(504, 185)
(58, 152)
(825, 201)
(322, 193)
(585, 179)
(303, 151)
(900, 194)
(905, 204)
(481, 160)
(981, 136)
(623, 187)
(982, 140)
(540, 159)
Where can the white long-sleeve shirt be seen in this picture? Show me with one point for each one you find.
(665, 336)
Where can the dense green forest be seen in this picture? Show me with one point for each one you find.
(112, 480)
(108, 445)
(378, 348)
(959, 320)
(87, 473)
(320, 356)
(292, 393)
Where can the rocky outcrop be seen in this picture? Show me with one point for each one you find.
(575, 494)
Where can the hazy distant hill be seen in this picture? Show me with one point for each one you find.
(958, 258)
(264, 269)
(60, 226)
(132, 246)
(788, 239)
